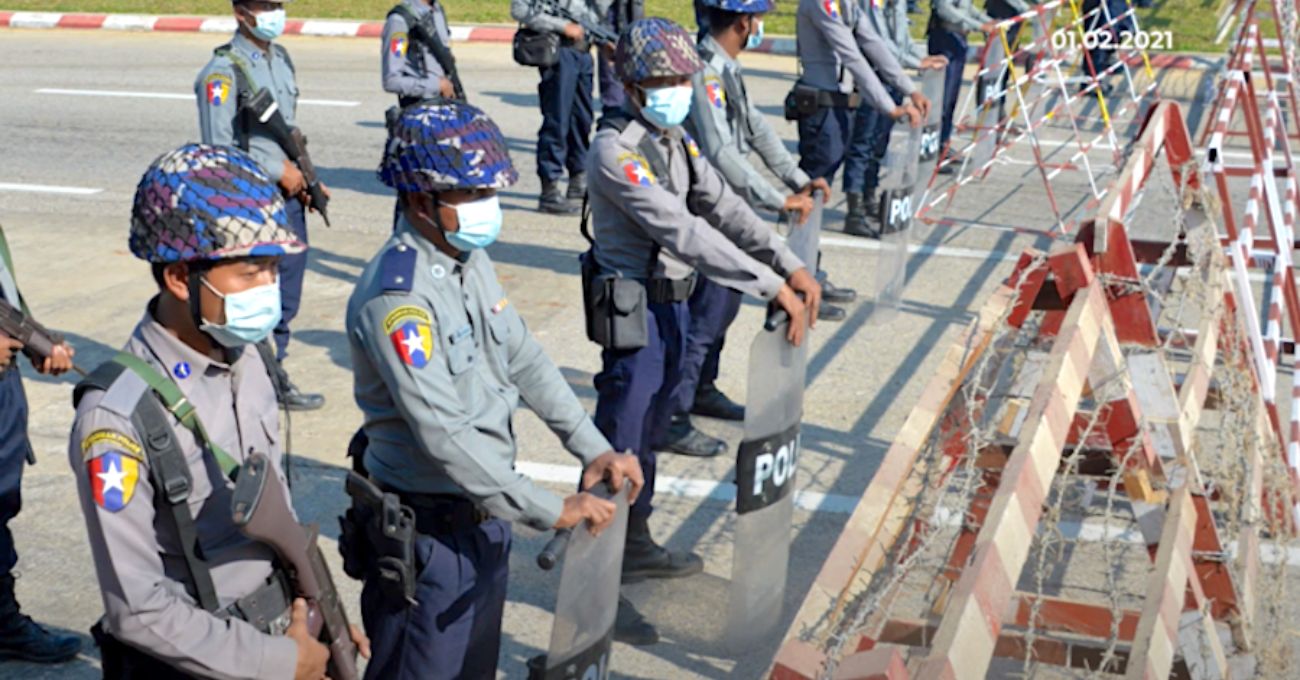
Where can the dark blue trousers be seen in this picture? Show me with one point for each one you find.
(823, 140)
(565, 96)
(635, 387)
(1102, 57)
(292, 270)
(867, 144)
(712, 309)
(14, 447)
(611, 88)
(953, 46)
(455, 631)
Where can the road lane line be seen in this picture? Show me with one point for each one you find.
(941, 251)
(174, 95)
(48, 189)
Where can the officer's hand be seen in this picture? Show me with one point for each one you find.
(446, 89)
(8, 347)
(817, 184)
(597, 511)
(935, 61)
(59, 361)
(292, 182)
(922, 104)
(312, 655)
(615, 469)
(787, 299)
(573, 32)
(989, 26)
(799, 203)
(805, 284)
(907, 109)
(360, 640)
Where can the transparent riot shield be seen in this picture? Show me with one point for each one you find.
(587, 601)
(897, 181)
(989, 115)
(932, 87)
(766, 465)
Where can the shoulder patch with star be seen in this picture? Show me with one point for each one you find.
(636, 169)
(410, 330)
(832, 8)
(691, 147)
(398, 44)
(113, 470)
(717, 93)
(217, 88)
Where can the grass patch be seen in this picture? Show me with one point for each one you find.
(1191, 21)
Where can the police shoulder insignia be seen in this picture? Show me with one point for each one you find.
(113, 474)
(636, 169)
(397, 44)
(717, 93)
(691, 147)
(410, 330)
(111, 439)
(831, 7)
(217, 89)
(501, 305)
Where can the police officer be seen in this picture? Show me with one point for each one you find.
(249, 62)
(20, 637)
(186, 594)
(728, 126)
(565, 97)
(1105, 26)
(410, 68)
(659, 209)
(950, 21)
(441, 360)
(871, 128)
(834, 37)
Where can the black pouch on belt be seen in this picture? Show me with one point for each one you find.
(379, 532)
(616, 308)
(801, 102)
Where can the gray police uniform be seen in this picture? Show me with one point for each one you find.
(644, 230)
(897, 28)
(410, 70)
(216, 88)
(149, 600)
(441, 359)
(840, 51)
(950, 21)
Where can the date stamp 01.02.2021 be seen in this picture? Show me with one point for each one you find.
(1112, 40)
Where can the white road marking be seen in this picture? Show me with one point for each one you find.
(941, 251)
(48, 189)
(173, 95)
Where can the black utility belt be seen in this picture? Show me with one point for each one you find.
(616, 307)
(267, 608)
(663, 291)
(805, 100)
(441, 514)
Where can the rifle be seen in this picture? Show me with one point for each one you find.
(38, 341)
(596, 32)
(261, 510)
(426, 33)
(263, 109)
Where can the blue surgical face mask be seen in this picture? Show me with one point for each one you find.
(755, 38)
(667, 107)
(479, 223)
(251, 315)
(270, 25)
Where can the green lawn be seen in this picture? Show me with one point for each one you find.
(1191, 21)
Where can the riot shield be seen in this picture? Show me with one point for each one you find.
(766, 463)
(932, 87)
(988, 118)
(897, 181)
(587, 601)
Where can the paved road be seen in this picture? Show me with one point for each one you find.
(84, 152)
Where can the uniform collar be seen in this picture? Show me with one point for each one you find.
(407, 234)
(177, 358)
(417, 7)
(719, 52)
(248, 49)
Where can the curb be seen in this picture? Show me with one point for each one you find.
(342, 28)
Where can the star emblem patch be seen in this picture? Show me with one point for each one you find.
(113, 475)
(410, 330)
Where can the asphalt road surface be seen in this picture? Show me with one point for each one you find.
(83, 113)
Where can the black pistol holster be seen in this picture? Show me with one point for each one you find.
(377, 534)
(616, 307)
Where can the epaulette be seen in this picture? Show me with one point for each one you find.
(397, 269)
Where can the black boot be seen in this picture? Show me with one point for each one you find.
(829, 312)
(292, 398)
(683, 438)
(855, 218)
(834, 293)
(632, 628)
(577, 188)
(552, 201)
(24, 639)
(710, 402)
(643, 558)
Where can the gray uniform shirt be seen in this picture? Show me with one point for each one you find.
(834, 37)
(136, 550)
(959, 16)
(727, 125)
(632, 210)
(898, 30)
(218, 105)
(440, 361)
(410, 69)
(531, 15)
(8, 286)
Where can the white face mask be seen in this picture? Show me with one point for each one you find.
(270, 25)
(251, 315)
(667, 107)
(479, 223)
